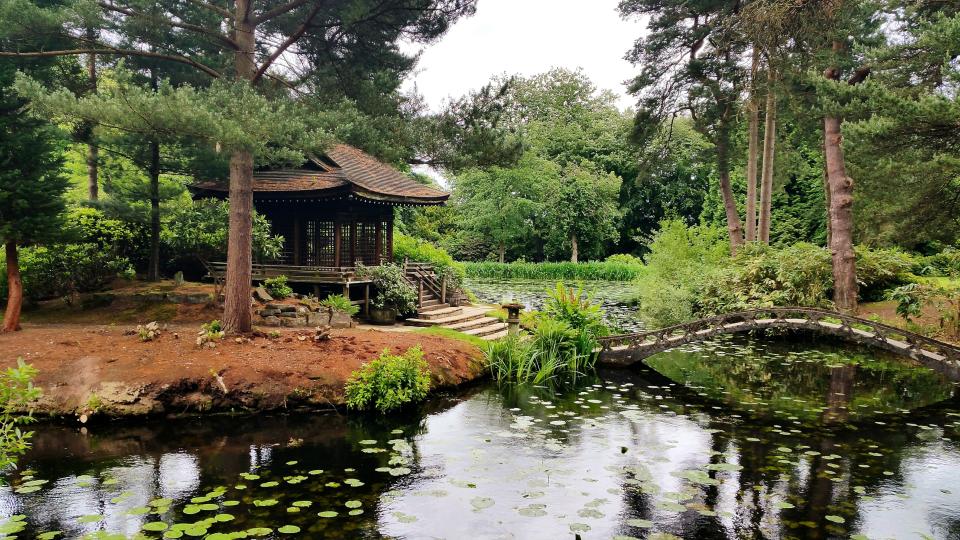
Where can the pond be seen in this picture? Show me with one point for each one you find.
(781, 438)
(613, 296)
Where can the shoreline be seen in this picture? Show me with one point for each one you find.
(92, 372)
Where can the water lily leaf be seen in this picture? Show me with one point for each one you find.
(328, 514)
(49, 535)
(302, 504)
(156, 526)
(641, 523)
(579, 527)
(289, 529)
(353, 504)
(480, 503)
(355, 512)
(90, 518)
(259, 531)
(835, 519)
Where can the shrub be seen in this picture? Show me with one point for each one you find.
(393, 290)
(277, 287)
(339, 302)
(149, 331)
(200, 230)
(416, 250)
(624, 258)
(17, 393)
(389, 382)
(63, 270)
(945, 263)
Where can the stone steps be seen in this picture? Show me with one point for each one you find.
(471, 320)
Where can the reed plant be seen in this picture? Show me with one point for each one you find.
(588, 271)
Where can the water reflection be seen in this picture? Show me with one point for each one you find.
(625, 453)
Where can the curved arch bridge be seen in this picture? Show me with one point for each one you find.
(627, 349)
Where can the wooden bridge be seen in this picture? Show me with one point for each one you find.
(627, 349)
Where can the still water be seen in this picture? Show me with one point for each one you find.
(612, 296)
(780, 438)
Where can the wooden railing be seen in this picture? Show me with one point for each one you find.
(938, 355)
(423, 277)
(295, 274)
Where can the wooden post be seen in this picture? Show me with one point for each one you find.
(366, 300)
(420, 292)
(443, 290)
(390, 236)
(353, 243)
(346, 290)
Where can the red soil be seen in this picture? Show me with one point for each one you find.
(99, 370)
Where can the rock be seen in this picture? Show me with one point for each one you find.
(262, 295)
(275, 306)
(318, 319)
(287, 315)
(339, 319)
(293, 322)
(271, 321)
(285, 308)
(178, 278)
(303, 309)
(268, 312)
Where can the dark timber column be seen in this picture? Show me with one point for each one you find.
(390, 235)
(353, 242)
(296, 238)
(378, 242)
(337, 242)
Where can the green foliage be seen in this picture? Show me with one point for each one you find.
(389, 382)
(277, 287)
(681, 262)
(574, 307)
(912, 298)
(200, 230)
(17, 394)
(556, 352)
(392, 289)
(339, 302)
(689, 275)
(417, 250)
(945, 263)
(568, 271)
(624, 258)
(88, 225)
(562, 346)
(210, 333)
(63, 270)
(32, 185)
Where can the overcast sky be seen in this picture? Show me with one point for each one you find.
(529, 37)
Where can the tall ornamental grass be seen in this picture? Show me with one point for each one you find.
(562, 347)
(593, 271)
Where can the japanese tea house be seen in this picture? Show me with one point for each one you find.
(334, 212)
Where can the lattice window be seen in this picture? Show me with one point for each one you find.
(345, 242)
(385, 242)
(319, 240)
(367, 243)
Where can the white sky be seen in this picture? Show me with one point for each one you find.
(528, 37)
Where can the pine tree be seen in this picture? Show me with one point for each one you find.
(31, 186)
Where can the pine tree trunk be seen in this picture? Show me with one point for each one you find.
(574, 248)
(841, 208)
(766, 180)
(734, 227)
(93, 151)
(237, 316)
(153, 273)
(826, 200)
(841, 219)
(752, 152)
(11, 318)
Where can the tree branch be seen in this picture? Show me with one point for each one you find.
(279, 10)
(186, 26)
(859, 75)
(213, 8)
(297, 34)
(116, 52)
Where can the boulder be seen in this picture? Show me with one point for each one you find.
(271, 321)
(286, 308)
(269, 312)
(293, 322)
(318, 319)
(262, 295)
(275, 306)
(287, 315)
(339, 319)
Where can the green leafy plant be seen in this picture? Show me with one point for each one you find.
(555, 352)
(615, 270)
(389, 382)
(339, 302)
(17, 393)
(66, 269)
(210, 333)
(392, 289)
(575, 308)
(200, 230)
(913, 297)
(277, 287)
(149, 331)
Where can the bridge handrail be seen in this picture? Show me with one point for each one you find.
(881, 331)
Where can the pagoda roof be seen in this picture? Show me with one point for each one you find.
(342, 171)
